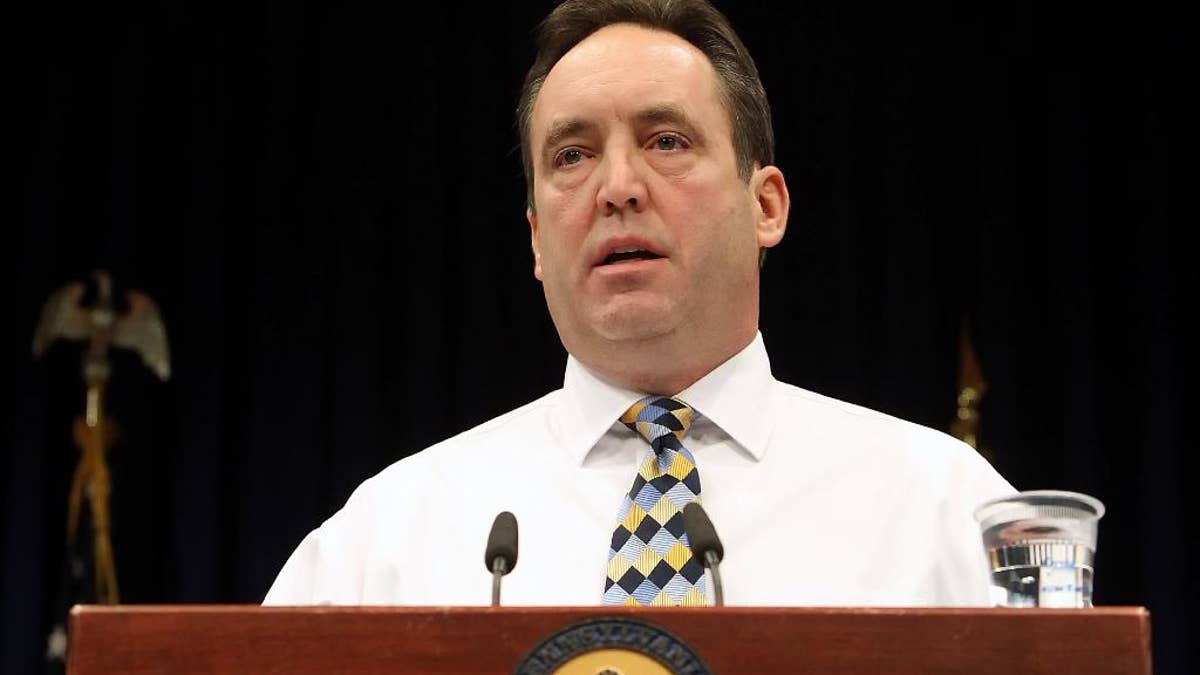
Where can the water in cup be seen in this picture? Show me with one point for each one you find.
(1040, 546)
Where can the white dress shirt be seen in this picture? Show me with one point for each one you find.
(817, 502)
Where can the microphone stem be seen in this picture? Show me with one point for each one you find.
(713, 562)
(499, 569)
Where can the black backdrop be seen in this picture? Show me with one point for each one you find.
(326, 202)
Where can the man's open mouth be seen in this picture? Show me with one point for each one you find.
(628, 254)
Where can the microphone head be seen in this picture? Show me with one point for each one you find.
(502, 542)
(700, 532)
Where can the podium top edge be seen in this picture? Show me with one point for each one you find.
(204, 609)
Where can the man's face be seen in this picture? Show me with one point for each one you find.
(643, 227)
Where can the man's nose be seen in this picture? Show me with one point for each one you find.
(622, 184)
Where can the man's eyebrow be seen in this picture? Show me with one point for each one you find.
(661, 113)
(669, 114)
(563, 129)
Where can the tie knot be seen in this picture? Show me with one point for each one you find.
(659, 420)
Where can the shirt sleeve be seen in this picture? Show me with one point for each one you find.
(294, 584)
(328, 567)
(976, 482)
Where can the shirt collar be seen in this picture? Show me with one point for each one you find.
(737, 396)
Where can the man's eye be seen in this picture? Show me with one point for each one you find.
(569, 156)
(669, 142)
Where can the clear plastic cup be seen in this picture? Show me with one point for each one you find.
(1040, 546)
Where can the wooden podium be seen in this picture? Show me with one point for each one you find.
(249, 639)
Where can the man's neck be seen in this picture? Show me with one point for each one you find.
(658, 366)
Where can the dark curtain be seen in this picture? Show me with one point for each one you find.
(327, 204)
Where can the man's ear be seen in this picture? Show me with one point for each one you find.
(534, 241)
(771, 195)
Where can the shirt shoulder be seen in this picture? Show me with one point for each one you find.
(393, 506)
(860, 421)
(497, 437)
(414, 474)
(907, 449)
(466, 463)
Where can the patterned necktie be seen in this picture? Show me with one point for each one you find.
(649, 560)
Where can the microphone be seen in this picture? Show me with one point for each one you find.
(500, 556)
(706, 545)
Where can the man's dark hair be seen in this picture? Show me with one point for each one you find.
(696, 21)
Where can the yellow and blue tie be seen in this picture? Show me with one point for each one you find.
(650, 561)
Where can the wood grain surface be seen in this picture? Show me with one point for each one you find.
(249, 639)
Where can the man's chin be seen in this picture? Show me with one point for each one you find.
(633, 324)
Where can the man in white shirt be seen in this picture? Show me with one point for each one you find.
(648, 152)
